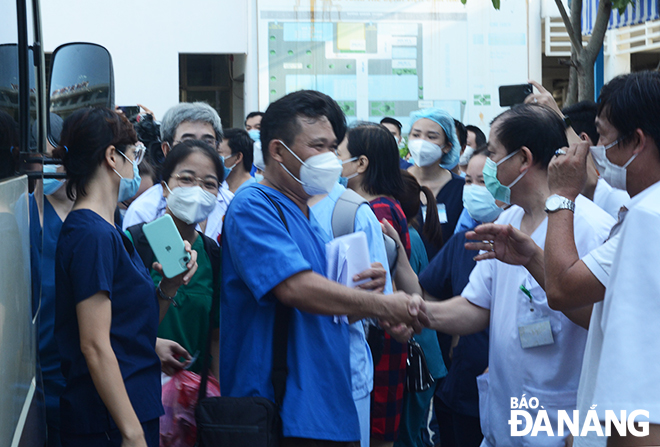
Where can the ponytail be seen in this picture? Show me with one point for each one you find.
(410, 203)
(432, 230)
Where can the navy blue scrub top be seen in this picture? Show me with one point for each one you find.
(43, 243)
(445, 277)
(92, 256)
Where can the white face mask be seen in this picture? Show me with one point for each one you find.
(613, 174)
(190, 204)
(424, 152)
(465, 157)
(318, 174)
(258, 160)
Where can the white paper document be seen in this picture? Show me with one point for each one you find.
(347, 256)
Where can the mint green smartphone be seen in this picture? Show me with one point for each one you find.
(167, 245)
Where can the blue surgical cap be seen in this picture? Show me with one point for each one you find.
(445, 120)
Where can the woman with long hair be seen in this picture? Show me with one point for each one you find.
(370, 160)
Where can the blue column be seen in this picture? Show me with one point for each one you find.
(599, 75)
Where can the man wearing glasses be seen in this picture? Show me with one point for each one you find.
(185, 121)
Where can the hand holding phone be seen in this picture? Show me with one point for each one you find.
(130, 111)
(167, 245)
(510, 95)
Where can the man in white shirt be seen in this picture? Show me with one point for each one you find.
(628, 371)
(534, 350)
(184, 121)
(615, 373)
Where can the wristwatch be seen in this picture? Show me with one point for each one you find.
(556, 203)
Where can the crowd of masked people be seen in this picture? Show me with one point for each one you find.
(524, 267)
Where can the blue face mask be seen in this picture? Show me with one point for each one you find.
(343, 181)
(227, 170)
(498, 190)
(480, 203)
(128, 187)
(255, 134)
(51, 184)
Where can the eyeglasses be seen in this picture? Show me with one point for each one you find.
(208, 140)
(138, 153)
(209, 183)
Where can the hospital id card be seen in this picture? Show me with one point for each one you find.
(442, 213)
(538, 333)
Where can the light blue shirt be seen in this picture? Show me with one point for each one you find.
(465, 222)
(362, 368)
(248, 182)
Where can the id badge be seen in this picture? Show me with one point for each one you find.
(442, 213)
(537, 333)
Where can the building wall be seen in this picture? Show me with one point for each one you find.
(156, 32)
(146, 37)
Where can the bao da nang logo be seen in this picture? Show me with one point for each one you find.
(523, 423)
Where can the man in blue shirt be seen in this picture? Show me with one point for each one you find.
(268, 257)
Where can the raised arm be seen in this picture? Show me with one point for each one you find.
(569, 282)
(545, 98)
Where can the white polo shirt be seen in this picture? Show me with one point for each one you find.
(151, 205)
(599, 262)
(628, 371)
(551, 372)
(610, 199)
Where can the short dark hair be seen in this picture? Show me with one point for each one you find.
(281, 120)
(182, 150)
(374, 141)
(253, 114)
(461, 133)
(479, 136)
(583, 118)
(9, 141)
(632, 101)
(239, 141)
(394, 122)
(481, 150)
(536, 127)
(86, 134)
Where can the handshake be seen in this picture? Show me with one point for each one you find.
(406, 315)
(400, 314)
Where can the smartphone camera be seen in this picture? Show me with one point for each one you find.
(510, 95)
